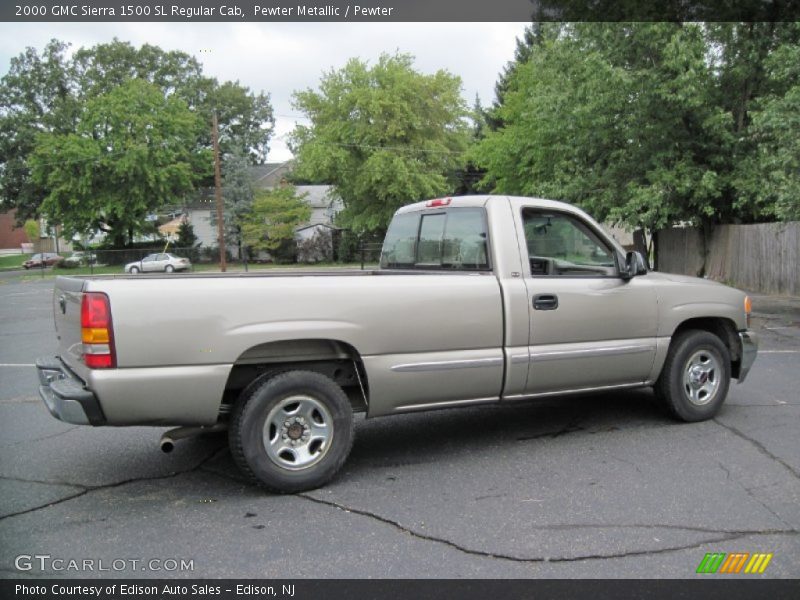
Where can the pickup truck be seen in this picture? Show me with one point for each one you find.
(478, 299)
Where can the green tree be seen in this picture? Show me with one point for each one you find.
(648, 124)
(131, 153)
(237, 196)
(275, 215)
(771, 178)
(382, 135)
(533, 36)
(245, 119)
(35, 97)
(32, 230)
(186, 235)
(48, 92)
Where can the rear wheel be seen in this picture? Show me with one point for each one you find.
(292, 432)
(169, 269)
(696, 375)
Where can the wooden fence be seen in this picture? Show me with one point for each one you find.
(762, 258)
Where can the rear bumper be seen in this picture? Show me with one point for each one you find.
(749, 341)
(65, 395)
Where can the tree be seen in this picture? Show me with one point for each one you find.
(186, 235)
(275, 216)
(382, 135)
(48, 92)
(771, 178)
(237, 195)
(648, 124)
(534, 35)
(32, 230)
(131, 153)
(245, 119)
(35, 97)
(469, 178)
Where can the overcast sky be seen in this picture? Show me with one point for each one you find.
(284, 57)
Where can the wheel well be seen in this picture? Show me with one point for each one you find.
(724, 329)
(332, 358)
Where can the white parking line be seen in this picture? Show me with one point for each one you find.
(779, 351)
(17, 365)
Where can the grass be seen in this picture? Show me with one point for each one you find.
(13, 261)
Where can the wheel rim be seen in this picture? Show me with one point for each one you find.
(702, 375)
(298, 432)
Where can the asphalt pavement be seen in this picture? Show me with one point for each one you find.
(601, 486)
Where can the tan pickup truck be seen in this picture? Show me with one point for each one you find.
(478, 299)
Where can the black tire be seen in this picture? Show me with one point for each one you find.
(255, 414)
(169, 269)
(134, 271)
(682, 388)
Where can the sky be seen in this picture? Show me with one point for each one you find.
(280, 58)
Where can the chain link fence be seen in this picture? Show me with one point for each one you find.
(103, 261)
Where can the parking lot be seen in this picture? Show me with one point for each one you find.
(598, 486)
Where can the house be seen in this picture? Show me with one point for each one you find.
(324, 206)
(270, 175)
(11, 236)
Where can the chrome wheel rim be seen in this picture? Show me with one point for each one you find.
(701, 377)
(298, 432)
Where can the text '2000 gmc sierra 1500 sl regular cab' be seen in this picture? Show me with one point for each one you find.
(478, 299)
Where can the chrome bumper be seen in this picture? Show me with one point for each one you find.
(65, 395)
(749, 341)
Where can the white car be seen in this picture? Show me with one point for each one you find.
(162, 261)
(80, 259)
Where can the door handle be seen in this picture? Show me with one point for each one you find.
(545, 302)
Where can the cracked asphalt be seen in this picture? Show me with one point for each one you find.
(600, 486)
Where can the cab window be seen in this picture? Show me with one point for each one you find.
(452, 239)
(560, 244)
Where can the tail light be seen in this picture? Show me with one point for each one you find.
(97, 332)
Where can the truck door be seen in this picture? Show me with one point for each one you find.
(589, 328)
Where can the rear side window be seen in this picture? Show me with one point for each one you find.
(400, 244)
(455, 239)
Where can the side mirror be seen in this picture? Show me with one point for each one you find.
(634, 265)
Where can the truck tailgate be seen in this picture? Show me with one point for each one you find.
(67, 296)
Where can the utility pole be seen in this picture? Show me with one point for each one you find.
(218, 193)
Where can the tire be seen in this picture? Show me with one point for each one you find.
(169, 269)
(292, 431)
(696, 376)
(134, 270)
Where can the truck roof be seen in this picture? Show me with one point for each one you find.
(481, 200)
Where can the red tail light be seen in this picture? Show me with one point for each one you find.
(439, 202)
(97, 332)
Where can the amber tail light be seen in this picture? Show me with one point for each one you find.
(97, 332)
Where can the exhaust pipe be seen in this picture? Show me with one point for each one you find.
(167, 442)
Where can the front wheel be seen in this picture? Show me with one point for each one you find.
(696, 375)
(134, 270)
(291, 432)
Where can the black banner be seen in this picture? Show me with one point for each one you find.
(389, 589)
(398, 10)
